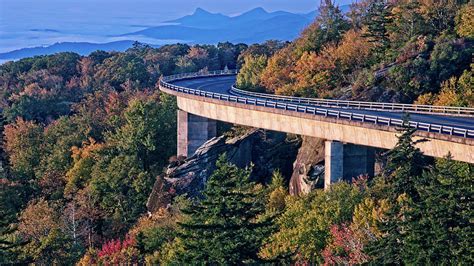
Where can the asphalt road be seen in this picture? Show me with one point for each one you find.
(223, 84)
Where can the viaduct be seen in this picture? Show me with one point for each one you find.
(351, 129)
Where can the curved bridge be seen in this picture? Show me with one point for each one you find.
(350, 128)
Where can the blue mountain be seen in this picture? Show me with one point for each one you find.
(201, 19)
(254, 26)
(82, 48)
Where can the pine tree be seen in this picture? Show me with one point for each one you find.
(7, 253)
(377, 21)
(332, 22)
(405, 165)
(442, 233)
(406, 22)
(8, 207)
(402, 173)
(329, 27)
(8, 242)
(223, 228)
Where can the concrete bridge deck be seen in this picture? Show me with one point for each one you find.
(444, 134)
(223, 85)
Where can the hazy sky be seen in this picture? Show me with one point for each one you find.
(177, 7)
(28, 23)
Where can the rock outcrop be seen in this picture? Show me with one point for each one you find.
(266, 151)
(308, 169)
(300, 160)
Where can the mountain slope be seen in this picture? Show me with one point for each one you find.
(82, 48)
(254, 26)
(202, 19)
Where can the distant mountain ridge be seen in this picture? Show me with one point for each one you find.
(254, 26)
(206, 19)
(82, 48)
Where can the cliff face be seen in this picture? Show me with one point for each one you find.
(267, 151)
(308, 169)
(299, 160)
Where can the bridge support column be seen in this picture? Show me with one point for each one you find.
(193, 131)
(345, 161)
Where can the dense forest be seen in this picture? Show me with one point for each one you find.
(393, 51)
(84, 138)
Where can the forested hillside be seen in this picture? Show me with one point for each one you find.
(83, 141)
(85, 137)
(395, 51)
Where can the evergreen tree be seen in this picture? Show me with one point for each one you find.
(442, 232)
(332, 22)
(10, 193)
(377, 22)
(9, 201)
(402, 174)
(406, 22)
(223, 228)
(405, 165)
(7, 241)
(329, 27)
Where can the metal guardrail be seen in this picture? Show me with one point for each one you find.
(200, 74)
(379, 106)
(377, 120)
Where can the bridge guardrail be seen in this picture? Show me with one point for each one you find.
(380, 106)
(377, 120)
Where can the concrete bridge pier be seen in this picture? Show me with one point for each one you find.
(193, 131)
(345, 161)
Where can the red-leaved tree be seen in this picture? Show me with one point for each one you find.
(117, 252)
(345, 248)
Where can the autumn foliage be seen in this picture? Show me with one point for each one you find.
(83, 139)
(118, 251)
(345, 247)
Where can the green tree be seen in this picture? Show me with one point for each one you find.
(406, 22)
(223, 227)
(39, 108)
(59, 138)
(267, 48)
(249, 77)
(121, 68)
(401, 176)
(185, 65)
(228, 54)
(440, 14)
(304, 226)
(329, 27)
(8, 201)
(332, 22)
(63, 64)
(465, 21)
(442, 232)
(448, 58)
(149, 132)
(277, 193)
(377, 22)
(120, 187)
(41, 227)
(405, 164)
(23, 145)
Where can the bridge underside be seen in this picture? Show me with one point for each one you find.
(342, 161)
(347, 161)
(321, 127)
(193, 131)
